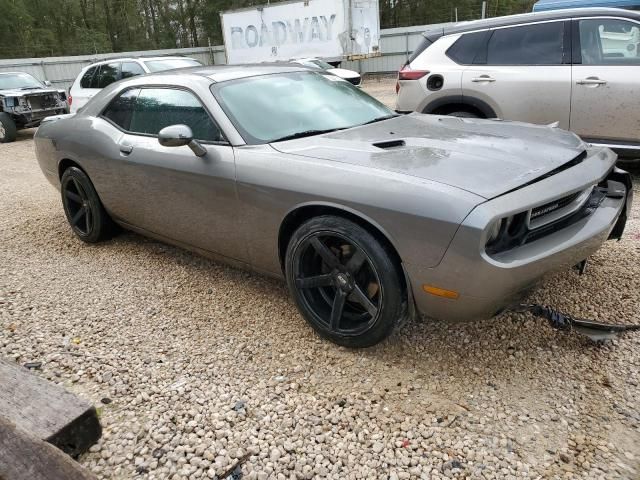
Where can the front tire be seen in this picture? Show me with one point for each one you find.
(83, 208)
(344, 282)
(8, 129)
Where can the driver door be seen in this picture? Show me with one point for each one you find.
(169, 191)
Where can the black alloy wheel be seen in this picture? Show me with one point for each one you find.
(344, 282)
(83, 208)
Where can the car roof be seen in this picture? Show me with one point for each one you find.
(541, 5)
(463, 27)
(137, 59)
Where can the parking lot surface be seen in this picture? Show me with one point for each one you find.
(196, 367)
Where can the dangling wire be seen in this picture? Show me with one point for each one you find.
(561, 321)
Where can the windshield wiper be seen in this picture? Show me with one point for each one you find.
(29, 88)
(305, 133)
(380, 119)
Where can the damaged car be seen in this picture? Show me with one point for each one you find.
(370, 216)
(25, 101)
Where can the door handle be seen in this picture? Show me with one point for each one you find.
(483, 78)
(126, 148)
(591, 81)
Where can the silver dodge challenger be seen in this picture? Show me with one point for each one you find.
(370, 216)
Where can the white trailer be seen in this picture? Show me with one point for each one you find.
(330, 29)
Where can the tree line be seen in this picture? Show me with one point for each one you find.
(40, 28)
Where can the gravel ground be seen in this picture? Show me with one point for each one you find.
(196, 367)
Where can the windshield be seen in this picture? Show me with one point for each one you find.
(170, 64)
(269, 108)
(321, 64)
(315, 63)
(18, 80)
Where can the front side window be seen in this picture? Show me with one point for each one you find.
(269, 108)
(85, 82)
(149, 110)
(131, 69)
(609, 41)
(539, 44)
(107, 74)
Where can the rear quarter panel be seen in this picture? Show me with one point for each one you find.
(87, 141)
(414, 94)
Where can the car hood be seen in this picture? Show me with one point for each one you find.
(16, 92)
(484, 157)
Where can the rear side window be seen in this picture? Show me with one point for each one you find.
(465, 49)
(539, 44)
(131, 69)
(119, 110)
(85, 82)
(107, 74)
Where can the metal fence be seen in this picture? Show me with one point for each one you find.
(395, 45)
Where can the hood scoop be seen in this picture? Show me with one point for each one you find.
(389, 144)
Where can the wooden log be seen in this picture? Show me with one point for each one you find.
(25, 457)
(46, 411)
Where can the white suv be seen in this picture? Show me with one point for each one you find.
(98, 75)
(578, 67)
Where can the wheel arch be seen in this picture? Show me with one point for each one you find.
(301, 213)
(66, 163)
(451, 103)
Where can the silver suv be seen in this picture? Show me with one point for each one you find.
(580, 68)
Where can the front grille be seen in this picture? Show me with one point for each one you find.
(594, 200)
(550, 207)
(41, 102)
(355, 80)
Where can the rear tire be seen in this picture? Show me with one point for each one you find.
(8, 129)
(83, 208)
(344, 282)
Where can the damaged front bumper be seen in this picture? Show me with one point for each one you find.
(486, 284)
(33, 118)
(624, 178)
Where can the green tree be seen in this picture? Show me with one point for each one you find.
(37, 28)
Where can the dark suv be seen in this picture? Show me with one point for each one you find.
(25, 101)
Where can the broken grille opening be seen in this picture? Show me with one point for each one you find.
(39, 102)
(521, 232)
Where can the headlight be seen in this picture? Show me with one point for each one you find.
(494, 230)
(506, 232)
(10, 101)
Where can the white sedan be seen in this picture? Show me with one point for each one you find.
(349, 75)
(97, 76)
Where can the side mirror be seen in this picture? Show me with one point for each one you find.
(47, 83)
(179, 136)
